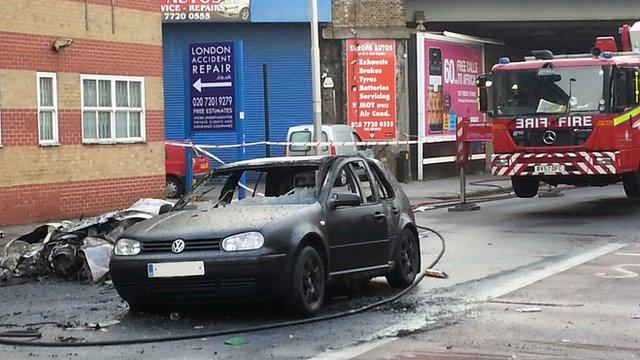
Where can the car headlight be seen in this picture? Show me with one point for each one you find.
(243, 242)
(127, 247)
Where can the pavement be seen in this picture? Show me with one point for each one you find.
(590, 311)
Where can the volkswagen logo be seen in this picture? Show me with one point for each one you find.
(549, 137)
(178, 246)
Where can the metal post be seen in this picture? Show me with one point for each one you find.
(463, 205)
(315, 69)
(463, 186)
(265, 92)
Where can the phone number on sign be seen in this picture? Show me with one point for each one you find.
(211, 101)
(373, 124)
(187, 16)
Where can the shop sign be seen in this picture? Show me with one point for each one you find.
(212, 88)
(205, 10)
(450, 76)
(371, 86)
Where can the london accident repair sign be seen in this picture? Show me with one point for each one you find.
(205, 10)
(212, 88)
(372, 88)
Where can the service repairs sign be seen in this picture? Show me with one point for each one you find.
(212, 88)
(371, 82)
(205, 10)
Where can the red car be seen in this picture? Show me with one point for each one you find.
(176, 170)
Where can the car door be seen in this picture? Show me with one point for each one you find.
(358, 235)
(390, 203)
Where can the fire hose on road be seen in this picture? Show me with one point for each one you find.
(428, 272)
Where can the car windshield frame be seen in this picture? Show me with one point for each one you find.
(229, 191)
(551, 91)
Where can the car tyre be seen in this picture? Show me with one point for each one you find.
(174, 188)
(407, 261)
(631, 184)
(525, 187)
(308, 283)
(244, 14)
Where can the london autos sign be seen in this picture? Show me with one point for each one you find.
(212, 88)
(205, 10)
(371, 82)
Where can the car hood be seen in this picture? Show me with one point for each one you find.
(213, 223)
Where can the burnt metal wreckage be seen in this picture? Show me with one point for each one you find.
(71, 249)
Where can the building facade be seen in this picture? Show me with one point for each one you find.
(81, 107)
(267, 35)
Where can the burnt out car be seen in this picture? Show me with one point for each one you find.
(277, 228)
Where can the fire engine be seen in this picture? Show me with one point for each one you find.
(567, 119)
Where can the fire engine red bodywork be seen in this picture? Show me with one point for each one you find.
(613, 135)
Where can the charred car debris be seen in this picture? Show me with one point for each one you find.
(72, 249)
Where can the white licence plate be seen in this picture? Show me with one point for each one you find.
(176, 269)
(549, 169)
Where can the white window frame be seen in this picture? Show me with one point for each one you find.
(54, 109)
(113, 108)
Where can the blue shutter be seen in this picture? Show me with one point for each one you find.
(286, 50)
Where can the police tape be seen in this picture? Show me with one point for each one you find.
(303, 144)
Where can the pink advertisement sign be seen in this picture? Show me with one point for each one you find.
(451, 70)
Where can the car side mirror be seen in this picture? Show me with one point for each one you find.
(484, 84)
(165, 209)
(343, 199)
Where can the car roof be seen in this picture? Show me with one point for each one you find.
(309, 127)
(277, 161)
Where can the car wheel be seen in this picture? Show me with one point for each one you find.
(631, 184)
(308, 283)
(525, 187)
(244, 14)
(173, 188)
(407, 261)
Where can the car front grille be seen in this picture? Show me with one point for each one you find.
(190, 245)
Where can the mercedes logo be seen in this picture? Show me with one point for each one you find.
(549, 137)
(178, 246)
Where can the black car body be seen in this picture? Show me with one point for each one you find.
(272, 228)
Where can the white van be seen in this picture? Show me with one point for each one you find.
(330, 133)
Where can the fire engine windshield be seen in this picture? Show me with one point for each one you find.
(549, 91)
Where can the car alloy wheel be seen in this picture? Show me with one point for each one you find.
(407, 260)
(173, 187)
(307, 283)
(408, 255)
(311, 282)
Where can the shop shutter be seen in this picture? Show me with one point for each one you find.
(286, 50)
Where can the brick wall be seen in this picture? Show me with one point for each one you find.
(30, 203)
(47, 183)
(369, 13)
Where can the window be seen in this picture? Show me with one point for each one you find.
(360, 170)
(305, 137)
(47, 109)
(345, 183)
(385, 189)
(112, 109)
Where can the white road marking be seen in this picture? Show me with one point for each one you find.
(512, 285)
(351, 352)
(546, 272)
(627, 254)
(626, 274)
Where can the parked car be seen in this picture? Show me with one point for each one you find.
(294, 224)
(176, 169)
(238, 9)
(330, 133)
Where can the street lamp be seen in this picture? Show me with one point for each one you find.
(315, 69)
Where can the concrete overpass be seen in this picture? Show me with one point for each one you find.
(563, 26)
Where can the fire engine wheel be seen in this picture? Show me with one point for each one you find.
(525, 187)
(631, 183)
